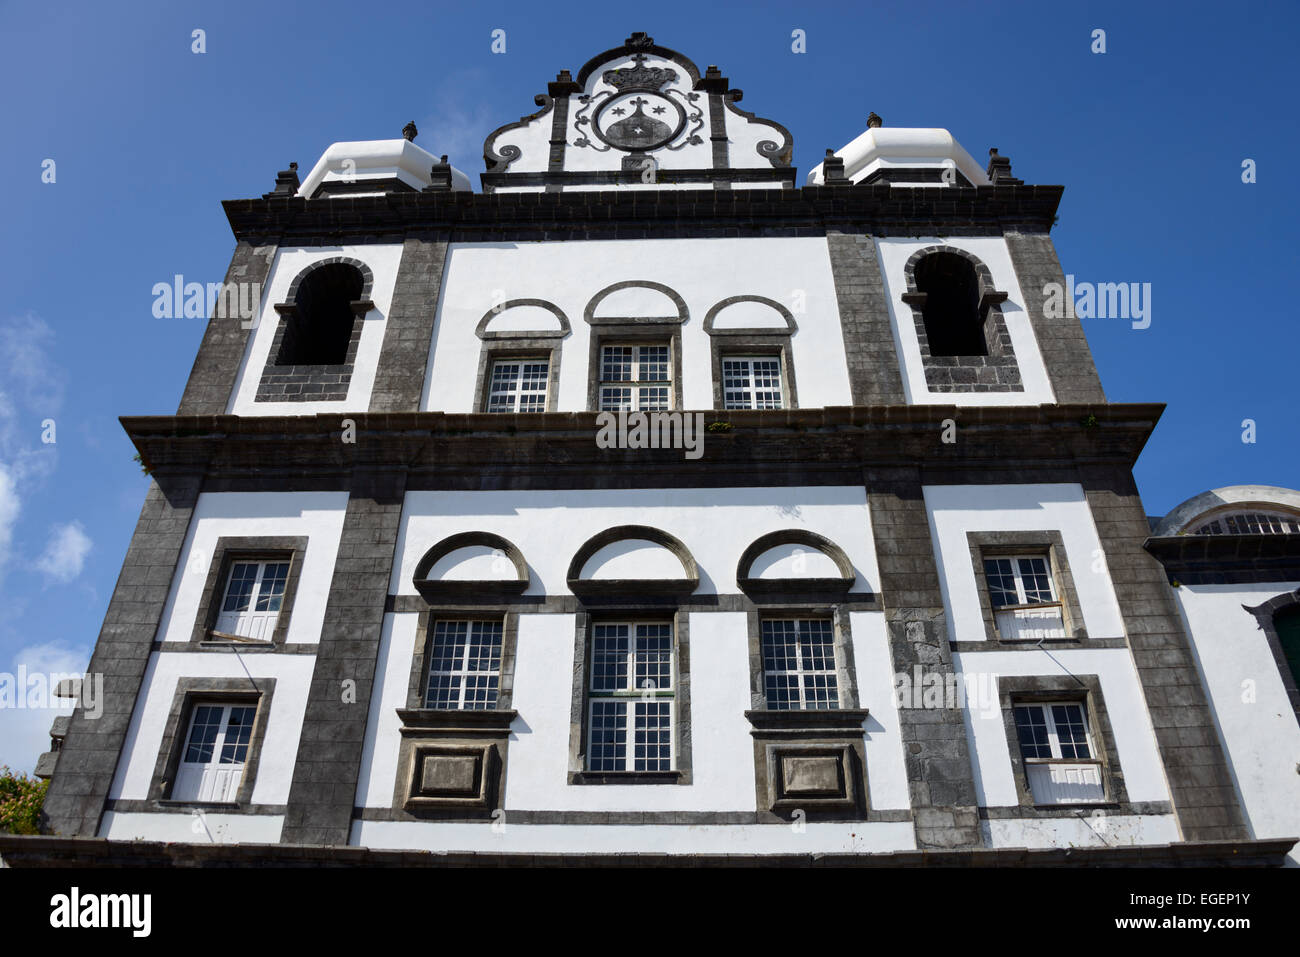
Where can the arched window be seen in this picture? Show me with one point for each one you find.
(953, 324)
(1249, 523)
(318, 329)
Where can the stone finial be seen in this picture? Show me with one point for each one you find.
(409, 131)
(874, 122)
(286, 182)
(999, 170)
(639, 41)
(562, 85)
(833, 170)
(713, 81)
(439, 177)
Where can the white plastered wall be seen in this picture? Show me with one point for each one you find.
(383, 260)
(793, 271)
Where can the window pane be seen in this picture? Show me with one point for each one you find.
(519, 385)
(1036, 580)
(242, 578)
(271, 592)
(1071, 730)
(751, 382)
(609, 650)
(654, 738)
(654, 657)
(1002, 582)
(608, 747)
(234, 750)
(203, 733)
(616, 363)
(465, 665)
(1031, 726)
(799, 664)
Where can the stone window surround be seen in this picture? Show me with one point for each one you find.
(525, 345)
(469, 611)
(613, 330)
(232, 548)
(652, 608)
(1048, 542)
(990, 308)
(191, 691)
(634, 332)
(1263, 614)
(1086, 689)
(845, 668)
(266, 392)
(753, 341)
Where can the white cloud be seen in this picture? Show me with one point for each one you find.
(460, 121)
(9, 508)
(65, 553)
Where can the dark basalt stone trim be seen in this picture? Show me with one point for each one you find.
(518, 345)
(881, 210)
(641, 532)
(474, 604)
(481, 329)
(121, 806)
(778, 154)
(42, 851)
(235, 647)
(1086, 689)
(230, 549)
(1049, 541)
(1227, 559)
(634, 331)
(384, 184)
(91, 748)
(589, 313)
(845, 720)
(456, 542)
(875, 371)
(404, 355)
(631, 174)
(795, 536)
(1088, 811)
(244, 690)
(499, 162)
(1049, 644)
(926, 174)
(791, 327)
(782, 447)
(458, 720)
(756, 342)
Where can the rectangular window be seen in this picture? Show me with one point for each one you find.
(751, 382)
(635, 378)
(799, 664)
(216, 750)
(251, 602)
(1059, 754)
(1024, 600)
(464, 665)
(519, 385)
(631, 697)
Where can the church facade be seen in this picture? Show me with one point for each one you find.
(646, 502)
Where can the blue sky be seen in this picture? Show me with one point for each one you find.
(149, 137)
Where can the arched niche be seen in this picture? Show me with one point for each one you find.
(534, 318)
(635, 301)
(633, 560)
(471, 563)
(794, 560)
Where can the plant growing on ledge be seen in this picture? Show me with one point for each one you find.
(1090, 422)
(21, 798)
(718, 427)
(140, 462)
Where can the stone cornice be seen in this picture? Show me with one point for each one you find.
(880, 209)
(559, 450)
(1227, 559)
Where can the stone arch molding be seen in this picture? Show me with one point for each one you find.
(680, 314)
(514, 581)
(1245, 497)
(788, 327)
(683, 585)
(751, 583)
(367, 277)
(483, 330)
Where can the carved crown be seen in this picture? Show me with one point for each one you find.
(639, 77)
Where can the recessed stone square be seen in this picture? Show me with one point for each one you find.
(818, 775)
(451, 775)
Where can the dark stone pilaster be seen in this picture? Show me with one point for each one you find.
(1196, 768)
(1061, 341)
(408, 336)
(321, 796)
(212, 379)
(88, 759)
(939, 772)
(875, 372)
